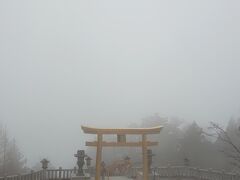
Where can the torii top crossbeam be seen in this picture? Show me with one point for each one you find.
(153, 130)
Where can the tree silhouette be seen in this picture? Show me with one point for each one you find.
(11, 159)
(228, 140)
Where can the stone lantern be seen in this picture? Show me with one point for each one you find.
(80, 161)
(88, 161)
(150, 155)
(44, 163)
(186, 161)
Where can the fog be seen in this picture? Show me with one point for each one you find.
(106, 63)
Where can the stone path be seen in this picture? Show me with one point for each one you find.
(117, 178)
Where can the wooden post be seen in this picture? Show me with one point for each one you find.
(60, 173)
(32, 174)
(145, 157)
(98, 156)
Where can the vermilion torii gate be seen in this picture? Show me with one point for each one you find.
(121, 141)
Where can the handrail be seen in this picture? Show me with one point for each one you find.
(187, 172)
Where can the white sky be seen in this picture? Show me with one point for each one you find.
(110, 63)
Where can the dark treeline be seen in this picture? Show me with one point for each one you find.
(183, 144)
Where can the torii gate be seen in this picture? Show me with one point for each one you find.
(121, 141)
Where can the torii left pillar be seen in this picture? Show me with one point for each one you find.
(98, 156)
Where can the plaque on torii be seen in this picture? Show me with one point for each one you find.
(122, 141)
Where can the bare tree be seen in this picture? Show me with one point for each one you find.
(231, 147)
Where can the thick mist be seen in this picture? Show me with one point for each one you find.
(64, 64)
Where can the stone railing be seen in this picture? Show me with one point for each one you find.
(60, 173)
(185, 172)
(159, 173)
(33, 175)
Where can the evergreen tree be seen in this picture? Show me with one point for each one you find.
(11, 159)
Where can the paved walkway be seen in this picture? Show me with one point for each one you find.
(117, 178)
